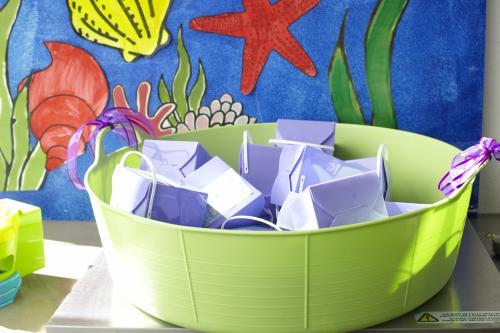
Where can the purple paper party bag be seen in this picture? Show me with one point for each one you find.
(315, 132)
(301, 166)
(338, 202)
(350, 200)
(133, 190)
(174, 159)
(228, 193)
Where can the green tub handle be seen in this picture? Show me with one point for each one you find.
(454, 196)
(100, 152)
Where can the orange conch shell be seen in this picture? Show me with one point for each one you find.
(62, 97)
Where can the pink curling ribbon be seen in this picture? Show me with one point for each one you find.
(466, 164)
(121, 121)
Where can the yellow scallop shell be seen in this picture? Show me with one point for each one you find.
(133, 26)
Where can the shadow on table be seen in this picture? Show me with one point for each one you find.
(38, 299)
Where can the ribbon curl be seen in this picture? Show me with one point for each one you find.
(466, 164)
(121, 121)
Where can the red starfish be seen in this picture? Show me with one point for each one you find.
(264, 27)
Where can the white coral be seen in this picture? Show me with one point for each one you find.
(221, 112)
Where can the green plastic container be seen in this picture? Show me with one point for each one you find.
(9, 232)
(328, 280)
(21, 238)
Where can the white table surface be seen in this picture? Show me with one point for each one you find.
(70, 248)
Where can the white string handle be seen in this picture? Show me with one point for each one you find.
(153, 172)
(246, 140)
(291, 142)
(270, 213)
(257, 219)
(382, 154)
(382, 157)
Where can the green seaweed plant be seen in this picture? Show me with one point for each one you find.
(22, 167)
(379, 39)
(342, 88)
(179, 95)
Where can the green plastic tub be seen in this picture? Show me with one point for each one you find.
(329, 280)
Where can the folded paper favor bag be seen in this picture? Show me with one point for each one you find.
(301, 166)
(175, 159)
(335, 203)
(228, 193)
(149, 195)
(307, 131)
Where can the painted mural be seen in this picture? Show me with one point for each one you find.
(189, 65)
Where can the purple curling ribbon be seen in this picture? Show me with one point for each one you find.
(466, 164)
(121, 121)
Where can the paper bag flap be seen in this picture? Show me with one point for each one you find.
(203, 176)
(317, 132)
(345, 194)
